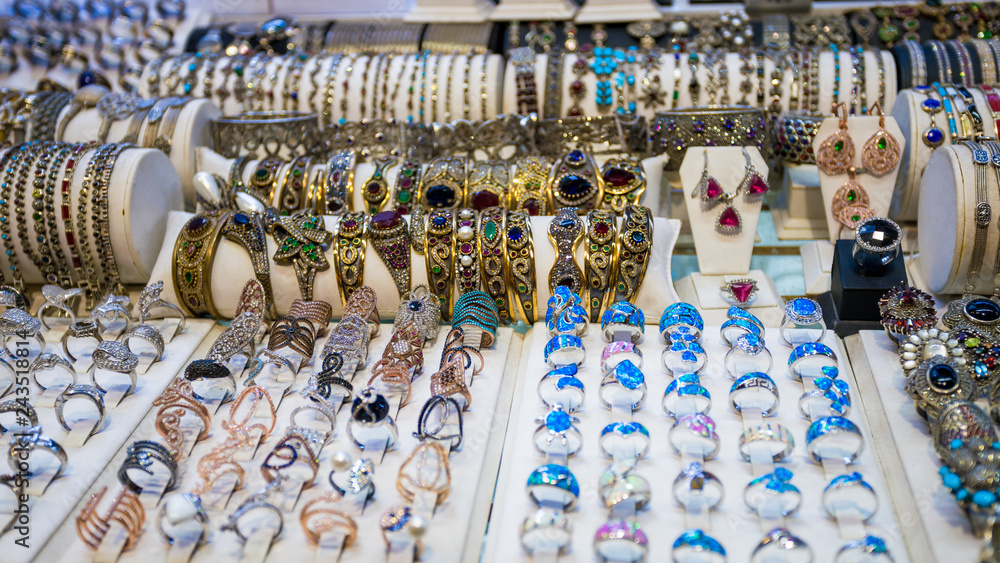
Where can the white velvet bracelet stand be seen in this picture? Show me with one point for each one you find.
(449, 11)
(192, 131)
(723, 258)
(534, 10)
(948, 221)
(655, 294)
(600, 11)
(879, 189)
(143, 188)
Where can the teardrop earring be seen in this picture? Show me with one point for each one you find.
(836, 152)
(850, 204)
(708, 188)
(880, 155)
(753, 182)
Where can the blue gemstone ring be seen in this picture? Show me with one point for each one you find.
(694, 484)
(755, 390)
(766, 441)
(623, 387)
(778, 544)
(557, 434)
(565, 391)
(623, 317)
(734, 328)
(818, 403)
(834, 437)
(850, 492)
(682, 398)
(546, 531)
(564, 349)
(772, 496)
(735, 312)
(553, 486)
(683, 356)
(868, 548)
(811, 360)
(690, 322)
(565, 314)
(694, 434)
(697, 544)
(748, 354)
(801, 312)
(876, 241)
(629, 440)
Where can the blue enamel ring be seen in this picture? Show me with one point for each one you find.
(564, 349)
(748, 354)
(853, 492)
(629, 439)
(772, 496)
(553, 485)
(734, 328)
(735, 312)
(755, 390)
(557, 433)
(834, 437)
(811, 360)
(624, 386)
(681, 399)
(565, 391)
(800, 312)
(674, 321)
(700, 545)
(817, 404)
(682, 356)
(623, 317)
(868, 548)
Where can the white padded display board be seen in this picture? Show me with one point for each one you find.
(732, 524)
(655, 294)
(931, 515)
(458, 525)
(95, 458)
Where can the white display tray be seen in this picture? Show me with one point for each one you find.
(732, 524)
(458, 525)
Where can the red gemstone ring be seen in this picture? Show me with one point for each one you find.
(741, 292)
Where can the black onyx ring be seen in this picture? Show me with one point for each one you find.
(875, 244)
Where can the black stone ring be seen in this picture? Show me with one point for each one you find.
(876, 241)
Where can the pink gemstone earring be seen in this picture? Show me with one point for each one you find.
(753, 182)
(710, 190)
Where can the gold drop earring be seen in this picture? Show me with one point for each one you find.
(880, 155)
(836, 152)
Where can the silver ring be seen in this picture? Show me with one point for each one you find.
(545, 531)
(754, 390)
(26, 441)
(237, 338)
(23, 410)
(772, 496)
(146, 332)
(778, 545)
(811, 360)
(81, 329)
(834, 437)
(624, 386)
(252, 503)
(629, 491)
(114, 356)
(619, 351)
(89, 391)
(802, 311)
(557, 429)
(776, 437)
(685, 396)
(694, 482)
(698, 433)
(748, 347)
(318, 407)
(360, 481)
(149, 299)
(58, 298)
(621, 541)
(631, 438)
(559, 388)
(179, 509)
(853, 492)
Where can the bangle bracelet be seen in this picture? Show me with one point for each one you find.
(301, 238)
(528, 188)
(443, 185)
(338, 192)
(440, 253)
(600, 253)
(164, 141)
(264, 179)
(575, 182)
(624, 183)
(349, 253)
(193, 260)
(294, 184)
(634, 244)
(248, 230)
(389, 235)
(406, 190)
(520, 258)
(487, 185)
(375, 190)
(102, 225)
(467, 266)
(492, 251)
(565, 232)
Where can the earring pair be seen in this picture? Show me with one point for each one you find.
(879, 155)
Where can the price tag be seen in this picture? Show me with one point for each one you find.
(112, 545)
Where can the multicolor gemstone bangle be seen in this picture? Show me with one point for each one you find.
(293, 189)
(440, 252)
(375, 190)
(194, 254)
(531, 174)
(406, 190)
(338, 193)
(443, 185)
(675, 131)
(388, 234)
(600, 255)
(467, 266)
(301, 237)
(575, 182)
(349, 254)
(624, 182)
(521, 265)
(491, 246)
(487, 185)
(634, 242)
(565, 232)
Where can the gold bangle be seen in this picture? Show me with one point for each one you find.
(440, 252)
(194, 254)
(487, 185)
(635, 239)
(520, 258)
(443, 185)
(338, 190)
(389, 236)
(531, 176)
(575, 181)
(467, 267)
(264, 180)
(301, 237)
(600, 257)
(294, 185)
(349, 254)
(375, 190)
(624, 182)
(492, 250)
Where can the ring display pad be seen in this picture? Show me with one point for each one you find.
(936, 525)
(214, 163)
(948, 194)
(458, 525)
(143, 188)
(817, 266)
(192, 130)
(667, 64)
(720, 253)
(733, 525)
(656, 292)
(394, 78)
(879, 188)
(98, 456)
(704, 293)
